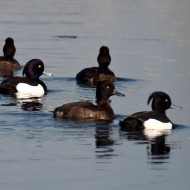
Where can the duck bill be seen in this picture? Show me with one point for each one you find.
(47, 73)
(175, 107)
(115, 92)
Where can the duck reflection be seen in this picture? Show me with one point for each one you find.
(102, 137)
(104, 142)
(32, 104)
(157, 148)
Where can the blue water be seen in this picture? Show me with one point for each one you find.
(149, 44)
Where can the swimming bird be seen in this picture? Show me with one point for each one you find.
(90, 76)
(155, 119)
(87, 110)
(7, 61)
(28, 85)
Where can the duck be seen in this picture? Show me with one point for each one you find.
(90, 76)
(155, 119)
(82, 110)
(29, 84)
(7, 62)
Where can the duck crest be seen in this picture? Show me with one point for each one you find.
(160, 101)
(33, 69)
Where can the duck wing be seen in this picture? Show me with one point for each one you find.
(16, 80)
(8, 86)
(135, 121)
(72, 110)
(87, 76)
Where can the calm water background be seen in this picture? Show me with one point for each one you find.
(149, 43)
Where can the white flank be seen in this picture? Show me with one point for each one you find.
(27, 91)
(155, 124)
(153, 133)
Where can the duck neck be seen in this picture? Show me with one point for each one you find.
(104, 66)
(160, 110)
(103, 101)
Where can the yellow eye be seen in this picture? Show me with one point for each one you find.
(166, 100)
(39, 66)
(107, 87)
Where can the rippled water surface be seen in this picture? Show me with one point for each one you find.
(149, 44)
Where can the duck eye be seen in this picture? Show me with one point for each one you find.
(39, 66)
(166, 100)
(107, 87)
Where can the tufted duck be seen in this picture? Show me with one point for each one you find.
(7, 61)
(155, 119)
(87, 110)
(28, 86)
(90, 76)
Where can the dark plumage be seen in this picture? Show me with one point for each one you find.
(9, 49)
(90, 76)
(30, 84)
(157, 117)
(87, 110)
(7, 61)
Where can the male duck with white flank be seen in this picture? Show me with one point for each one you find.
(30, 85)
(155, 119)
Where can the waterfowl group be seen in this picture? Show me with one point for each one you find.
(29, 85)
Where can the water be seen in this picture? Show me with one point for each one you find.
(149, 43)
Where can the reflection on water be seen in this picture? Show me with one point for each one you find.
(32, 104)
(29, 104)
(104, 142)
(157, 148)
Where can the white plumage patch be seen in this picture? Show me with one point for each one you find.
(155, 124)
(153, 133)
(27, 91)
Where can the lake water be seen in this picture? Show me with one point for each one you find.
(149, 44)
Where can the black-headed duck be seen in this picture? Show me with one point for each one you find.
(7, 61)
(87, 110)
(155, 119)
(30, 84)
(90, 76)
